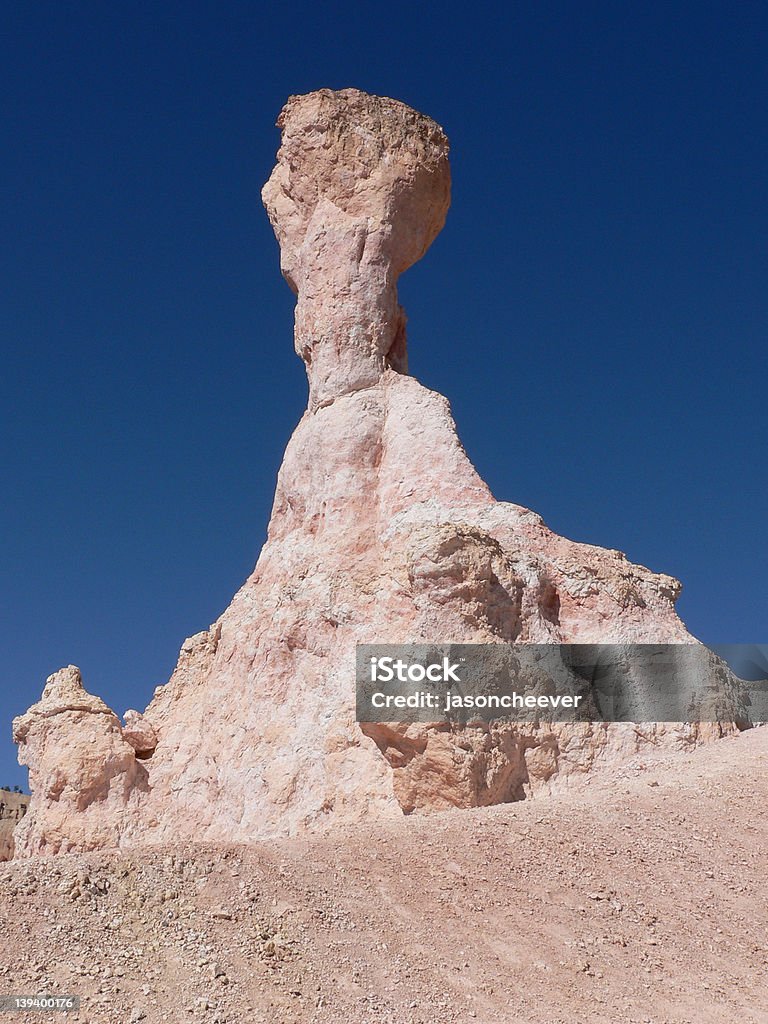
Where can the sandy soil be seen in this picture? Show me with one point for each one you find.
(641, 899)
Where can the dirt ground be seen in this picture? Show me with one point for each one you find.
(639, 899)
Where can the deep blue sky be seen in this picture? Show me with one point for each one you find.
(596, 308)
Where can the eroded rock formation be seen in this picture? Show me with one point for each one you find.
(13, 807)
(381, 531)
(83, 772)
(360, 190)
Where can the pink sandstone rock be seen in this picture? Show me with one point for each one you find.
(381, 532)
(360, 190)
(83, 775)
(13, 807)
(138, 732)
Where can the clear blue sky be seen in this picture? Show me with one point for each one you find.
(596, 308)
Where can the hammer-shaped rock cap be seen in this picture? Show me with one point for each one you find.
(360, 190)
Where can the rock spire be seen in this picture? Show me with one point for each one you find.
(381, 531)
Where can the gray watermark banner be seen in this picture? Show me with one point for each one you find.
(462, 683)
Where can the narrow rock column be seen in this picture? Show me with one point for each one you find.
(360, 190)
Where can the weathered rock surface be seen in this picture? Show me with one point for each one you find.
(82, 772)
(13, 807)
(381, 531)
(360, 190)
(138, 732)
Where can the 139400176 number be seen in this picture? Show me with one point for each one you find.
(39, 1002)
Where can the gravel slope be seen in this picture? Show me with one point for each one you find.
(640, 900)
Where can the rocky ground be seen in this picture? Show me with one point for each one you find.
(639, 899)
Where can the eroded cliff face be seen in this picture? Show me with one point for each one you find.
(381, 532)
